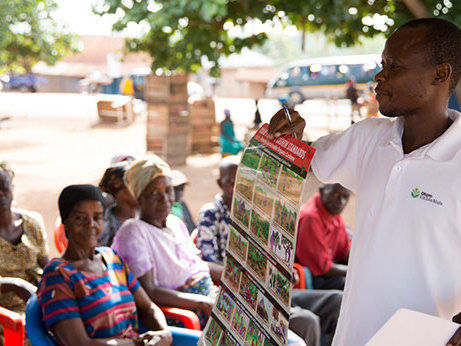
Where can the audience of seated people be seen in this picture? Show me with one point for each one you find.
(23, 249)
(88, 296)
(154, 260)
(157, 246)
(180, 208)
(314, 312)
(323, 243)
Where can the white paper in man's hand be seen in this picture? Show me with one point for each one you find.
(411, 328)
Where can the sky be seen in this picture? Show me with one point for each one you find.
(79, 18)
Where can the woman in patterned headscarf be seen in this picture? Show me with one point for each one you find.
(157, 247)
(23, 248)
(125, 205)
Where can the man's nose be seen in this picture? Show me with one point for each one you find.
(379, 76)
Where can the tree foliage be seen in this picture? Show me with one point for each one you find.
(28, 34)
(181, 32)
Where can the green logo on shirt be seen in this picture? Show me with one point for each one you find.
(415, 193)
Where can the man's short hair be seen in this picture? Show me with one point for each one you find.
(443, 42)
(228, 161)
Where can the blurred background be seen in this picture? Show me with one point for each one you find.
(81, 81)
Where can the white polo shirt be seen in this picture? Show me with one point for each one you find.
(406, 247)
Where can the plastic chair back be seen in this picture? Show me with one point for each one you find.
(38, 335)
(36, 330)
(60, 239)
(13, 327)
(194, 235)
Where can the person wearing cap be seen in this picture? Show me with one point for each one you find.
(124, 206)
(214, 218)
(23, 248)
(89, 296)
(157, 246)
(179, 208)
(230, 145)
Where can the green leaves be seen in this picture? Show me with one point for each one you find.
(29, 34)
(210, 28)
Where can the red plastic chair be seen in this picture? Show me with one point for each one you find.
(194, 235)
(13, 327)
(60, 239)
(301, 284)
(187, 317)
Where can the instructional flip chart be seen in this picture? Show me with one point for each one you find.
(253, 303)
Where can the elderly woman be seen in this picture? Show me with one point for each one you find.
(124, 206)
(89, 296)
(157, 247)
(23, 248)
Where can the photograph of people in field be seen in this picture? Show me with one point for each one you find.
(257, 262)
(254, 335)
(248, 291)
(290, 184)
(260, 227)
(237, 244)
(232, 274)
(226, 341)
(279, 284)
(240, 322)
(279, 326)
(264, 308)
(285, 215)
(263, 199)
(269, 170)
(225, 305)
(245, 183)
(267, 343)
(282, 247)
(251, 158)
(241, 210)
(213, 333)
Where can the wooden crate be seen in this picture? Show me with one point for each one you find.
(115, 109)
(203, 121)
(156, 89)
(166, 89)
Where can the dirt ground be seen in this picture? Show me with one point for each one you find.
(66, 145)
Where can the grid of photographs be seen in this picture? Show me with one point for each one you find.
(254, 300)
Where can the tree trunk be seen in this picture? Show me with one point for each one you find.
(303, 34)
(416, 7)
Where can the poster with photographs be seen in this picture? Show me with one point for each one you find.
(253, 304)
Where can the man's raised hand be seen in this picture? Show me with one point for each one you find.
(279, 125)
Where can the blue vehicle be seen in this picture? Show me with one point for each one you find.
(20, 82)
(322, 77)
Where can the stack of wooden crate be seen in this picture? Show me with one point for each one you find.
(115, 108)
(168, 128)
(204, 130)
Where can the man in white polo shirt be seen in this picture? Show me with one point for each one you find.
(405, 171)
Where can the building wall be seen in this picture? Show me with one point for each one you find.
(245, 82)
(58, 84)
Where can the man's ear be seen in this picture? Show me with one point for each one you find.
(218, 181)
(443, 73)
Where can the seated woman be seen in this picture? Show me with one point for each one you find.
(124, 207)
(23, 249)
(89, 296)
(158, 248)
